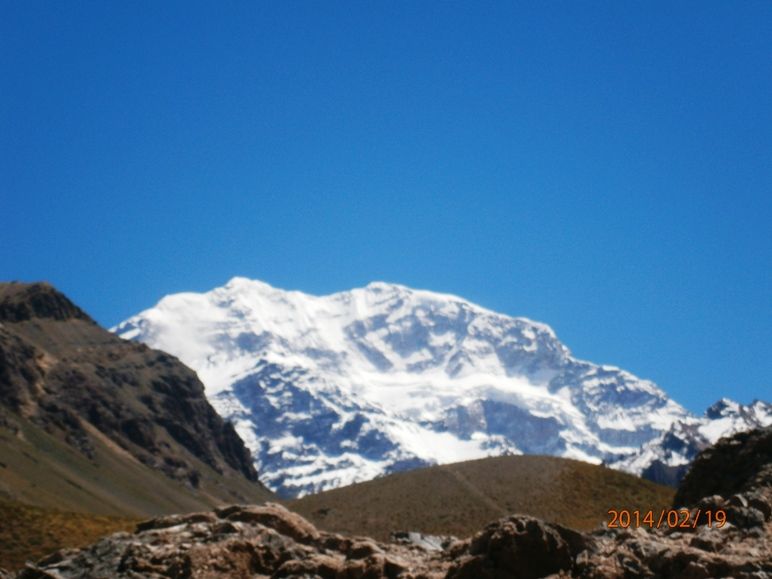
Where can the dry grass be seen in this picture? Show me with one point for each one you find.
(28, 533)
(457, 499)
(460, 499)
(38, 468)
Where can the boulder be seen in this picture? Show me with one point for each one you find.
(519, 547)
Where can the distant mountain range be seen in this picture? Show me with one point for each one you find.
(666, 458)
(327, 391)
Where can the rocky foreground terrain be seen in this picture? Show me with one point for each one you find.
(270, 541)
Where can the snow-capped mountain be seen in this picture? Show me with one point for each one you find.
(666, 458)
(331, 390)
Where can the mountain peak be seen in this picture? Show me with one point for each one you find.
(382, 286)
(25, 301)
(334, 389)
(245, 283)
(722, 407)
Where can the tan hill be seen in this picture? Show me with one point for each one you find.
(92, 423)
(459, 499)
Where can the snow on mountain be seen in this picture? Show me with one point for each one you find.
(331, 390)
(666, 458)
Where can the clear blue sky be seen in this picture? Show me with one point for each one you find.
(604, 167)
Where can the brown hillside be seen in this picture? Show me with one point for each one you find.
(459, 499)
(90, 422)
(28, 533)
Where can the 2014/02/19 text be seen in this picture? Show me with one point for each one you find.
(672, 518)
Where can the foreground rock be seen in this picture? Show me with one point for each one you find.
(735, 464)
(270, 541)
(238, 541)
(735, 476)
(518, 547)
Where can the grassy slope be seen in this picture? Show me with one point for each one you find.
(28, 533)
(460, 499)
(78, 501)
(39, 469)
(44, 471)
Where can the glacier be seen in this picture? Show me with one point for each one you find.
(331, 390)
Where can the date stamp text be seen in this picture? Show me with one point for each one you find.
(669, 518)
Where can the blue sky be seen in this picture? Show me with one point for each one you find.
(603, 167)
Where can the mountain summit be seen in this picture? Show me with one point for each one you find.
(331, 390)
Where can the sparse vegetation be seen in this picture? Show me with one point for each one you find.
(28, 533)
(460, 499)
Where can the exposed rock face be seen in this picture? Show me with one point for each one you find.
(270, 541)
(736, 464)
(63, 374)
(239, 541)
(518, 547)
(703, 554)
(23, 302)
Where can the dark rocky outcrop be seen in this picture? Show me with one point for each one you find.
(518, 547)
(21, 302)
(664, 474)
(733, 465)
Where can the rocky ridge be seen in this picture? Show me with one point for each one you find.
(270, 541)
(666, 458)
